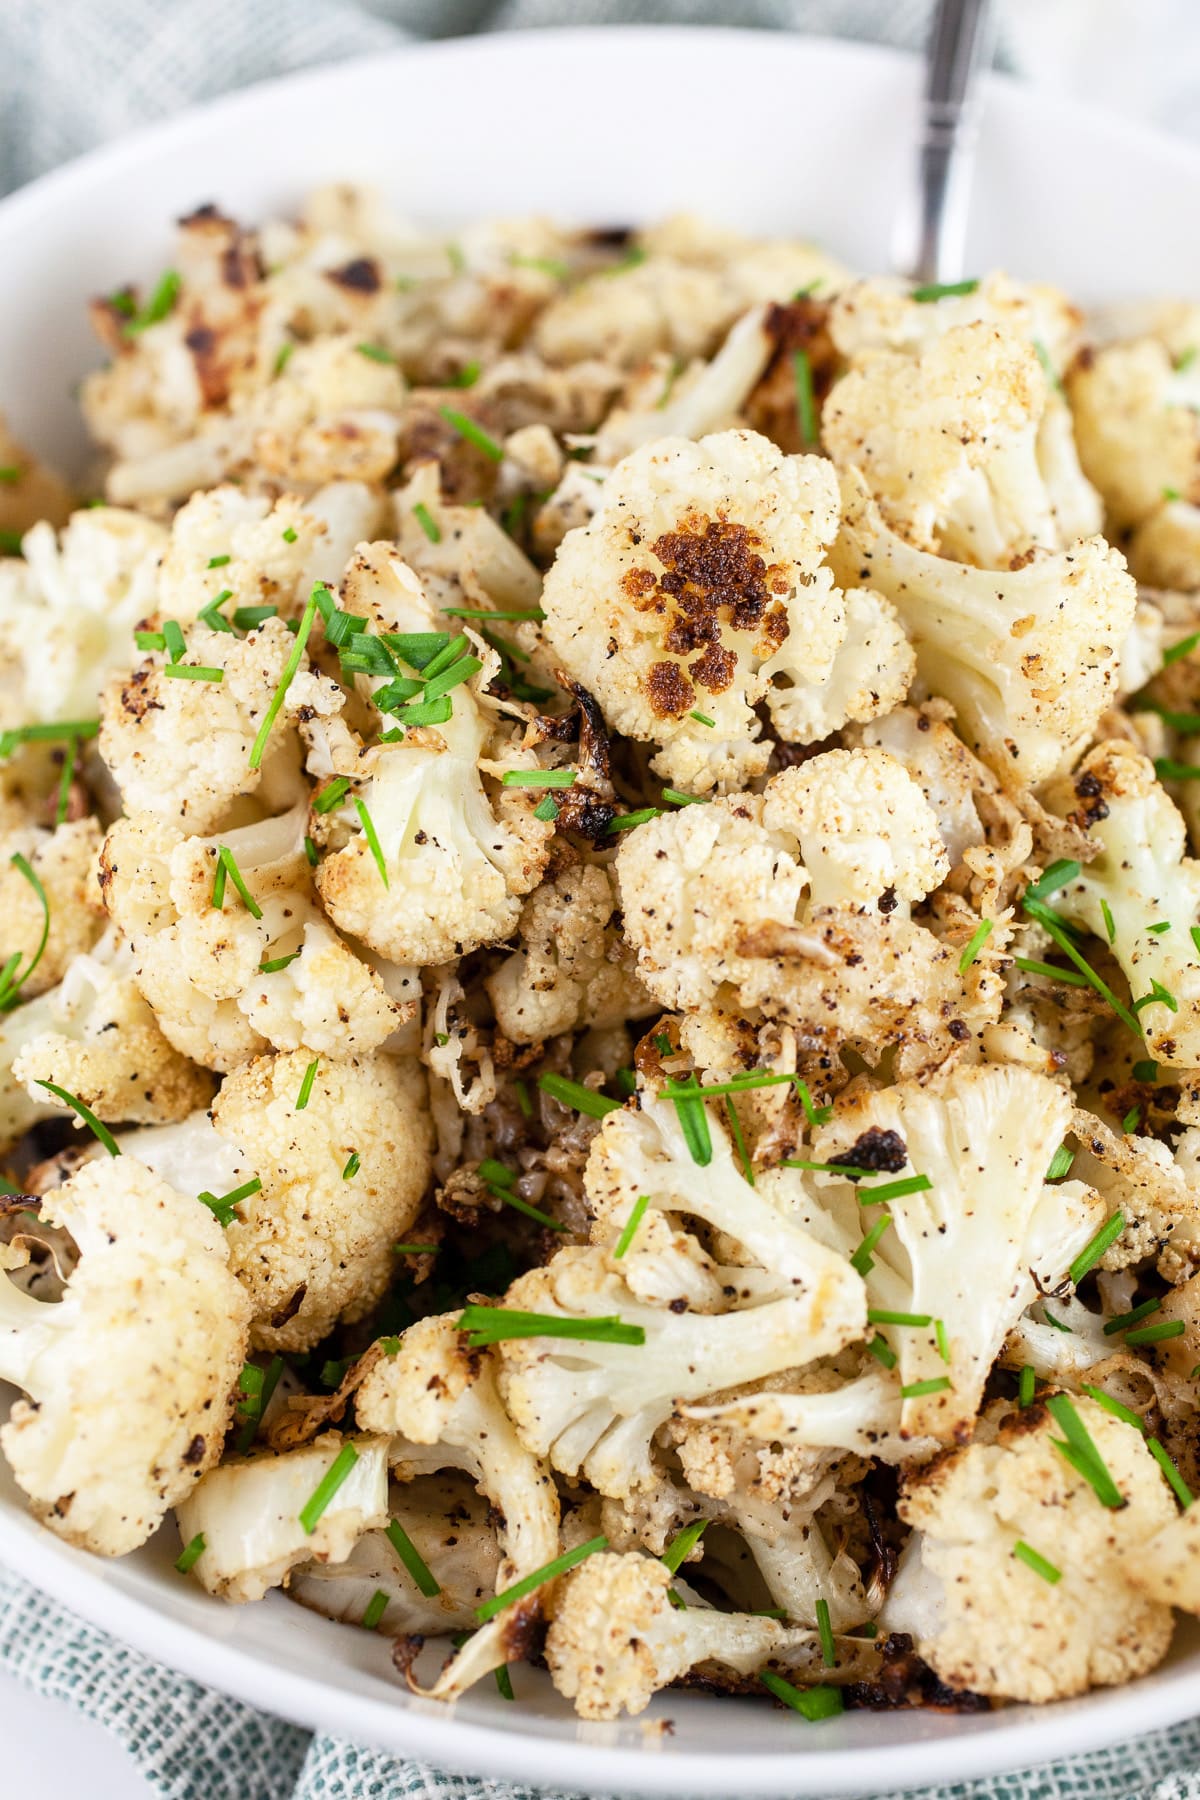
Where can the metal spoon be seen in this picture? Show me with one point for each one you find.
(959, 50)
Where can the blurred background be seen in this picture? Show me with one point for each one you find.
(76, 72)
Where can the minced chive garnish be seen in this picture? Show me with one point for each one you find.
(979, 938)
(459, 671)
(816, 1115)
(10, 982)
(289, 534)
(862, 1261)
(194, 672)
(311, 853)
(174, 640)
(1034, 1560)
(1055, 1324)
(1145, 1071)
(1031, 966)
(427, 522)
(1158, 996)
(1110, 924)
(1186, 358)
(218, 562)
(499, 1324)
(412, 1559)
(1026, 1386)
(703, 719)
(681, 1086)
(1175, 1481)
(317, 1504)
(530, 1583)
(1056, 876)
(806, 409)
(523, 1099)
(1195, 931)
(1156, 1334)
(65, 779)
(682, 1545)
(1130, 1121)
(504, 1682)
(372, 837)
(375, 353)
(630, 1228)
(212, 616)
(825, 1633)
(1157, 930)
(1115, 1407)
(693, 1119)
(191, 1554)
(916, 1390)
(678, 799)
(414, 1249)
(258, 1389)
(942, 290)
(1168, 768)
(101, 1131)
(247, 618)
(472, 432)
(813, 1704)
(524, 1206)
(16, 735)
(1092, 1251)
(353, 1165)
(1183, 648)
(283, 358)
(10, 542)
(739, 1140)
(10, 474)
(942, 1339)
(224, 1206)
(1080, 1451)
(579, 1098)
(1060, 1163)
(306, 1086)
(513, 614)
(417, 648)
(546, 265)
(1049, 920)
(376, 1607)
(882, 1351)
(627, 821)
(149, 640)
(540, 778)
(427, 712)
(157, 307)
(331, 795)
(227, 865)
(893, 1190)
(1124, 1320)
(546, 810)
(880, 1316)
(663, 1044)
(286, 679)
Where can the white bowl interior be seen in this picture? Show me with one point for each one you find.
(757, 130)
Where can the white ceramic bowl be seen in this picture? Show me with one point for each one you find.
(758, 130)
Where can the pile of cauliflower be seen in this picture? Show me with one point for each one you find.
(600, 967)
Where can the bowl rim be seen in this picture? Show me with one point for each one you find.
(1019, 1737)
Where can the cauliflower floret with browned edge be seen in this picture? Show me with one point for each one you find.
(616, 1639)
(65, 862)
(1030, 658)
(981, 1616)
(698, 590)
(573, 969)
(68, 612)
(340, 1179)
(131, 1377)
(882, 313)
(438, 1401)
(180, 748)
(948, 442)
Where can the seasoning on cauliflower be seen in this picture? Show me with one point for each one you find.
(441, 1398)
(1135, 403)
(65, 863)
(698, 590)
(130, 1378)
(981, 1616)
(252, 1517)
(1029, 658)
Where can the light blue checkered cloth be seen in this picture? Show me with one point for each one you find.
(76, 72)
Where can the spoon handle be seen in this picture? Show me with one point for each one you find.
(959, 49)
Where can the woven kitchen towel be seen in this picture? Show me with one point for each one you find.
(76, 72)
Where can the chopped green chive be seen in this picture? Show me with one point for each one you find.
(212, 616)
(283, 358)
(880, 1316)
(227, 865)
(1175, 1481)
(218, 562)
(703, 719)
(318, 1503)
(1080, 1451)
(412, 1559)
(942, 290)
(916, 1390)
(1156, 1334)
(1115, 1407)
(882, 1351)
(289, 534)
(942, 1339)
(1031, 966)
(191, 1554)
(65, 779)
(1158, 996)
(417, 648)
(579, 1098)
(498, 1324)
(1026, 1386)
(1049, 920)
(630, 1229)
(530, 1583)
(306, 1086)
(311, 853)
(1145, 1071)
(1195, 931)
(353, 1165)
(375, 353)
(1157, 930)
(286, 679)
(524, 1101)
(693, 1119)
(1183, 648)
(1060, 1163)
(194, 672)
(1110, 924)
(10, 474)
(1034, 1560)
(682, 1545)
(1092, 1251)
(149, 640)
(224, 1206)
(893, 1190)
(739, 1140)
(174, 639)
(1055, 1324)
(16, 735)
(680, 1087)
(472, 433)
(677, 798)
(258, 1389)
(1168, 768)
(979, 938)
(1124, 1320)
(376, 1607)
(415, 1249)
(627, 821)
(372, 837)
(467, 376)
(248, 618)
(862, 1261)
(10, 982)
(825, 1633)
(96, 1128)
(513, 614)
(546, 810)
(331, 795)
(813, 1704)
(427, 522)
(806, 409)
(546, 265)
(160, 303)
(816, 1115)
(523, 1206)
(1130, 1121)
(540, 778)
(1056, 876)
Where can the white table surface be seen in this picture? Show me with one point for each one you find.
(51, 1752)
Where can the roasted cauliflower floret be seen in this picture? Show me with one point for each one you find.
(65, 862)
(986, 1621)
(881, 313)
(130, 1378)
(1029, 658)
(573, 969)
(1135, 409)
(698, 590)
